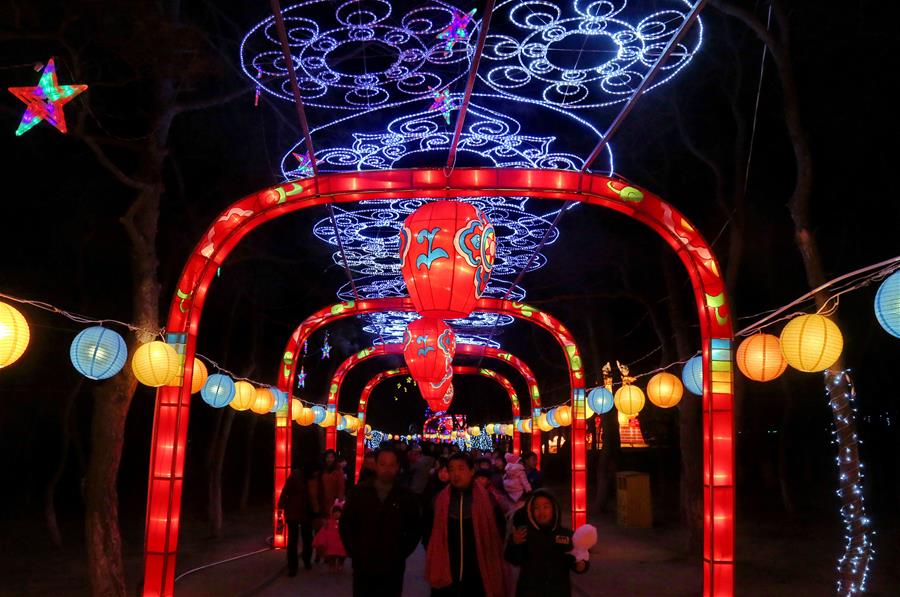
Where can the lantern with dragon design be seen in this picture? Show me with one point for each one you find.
(447, 251)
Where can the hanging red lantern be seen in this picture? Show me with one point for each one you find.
(429, 346)
(447, 251)
(438, 395)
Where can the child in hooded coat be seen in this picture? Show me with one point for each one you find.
(328, 542)
(515, 480)
(542, 549)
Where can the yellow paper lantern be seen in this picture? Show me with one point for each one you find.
(588, 411)
(329, 420)
(811, 343)
(306, 417)
(543, 424)
(665, 390)
(244, 395)
(155, 364)
(352, 423)
(623, 419)
(263, 401)
(296, 409)
(475, 431)
(508, 429)
(527, 425)
(14, 335)
(563, 415)
(759, 357)
(489, 429)
(629, 400)
(199, 376)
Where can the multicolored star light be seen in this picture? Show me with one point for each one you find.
(45, 102)
(456, 30)
(443, 103)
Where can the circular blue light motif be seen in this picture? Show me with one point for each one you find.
(281, 399)
(218, 391)
(601, 400)
(319, 413)
(692, 375)
(98, 352)
(887, 304)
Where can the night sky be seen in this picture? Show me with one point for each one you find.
(63, 244)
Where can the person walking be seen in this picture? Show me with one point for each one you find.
(380, 527)
(542, 549)
(465, 551)
(332, 482)
(297, 507)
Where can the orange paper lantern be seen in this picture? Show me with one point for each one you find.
(759, 357)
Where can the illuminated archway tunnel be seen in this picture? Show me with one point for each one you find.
(170, 424)
(458, 370)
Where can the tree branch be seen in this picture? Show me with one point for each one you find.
(182, 107)
(112, 168)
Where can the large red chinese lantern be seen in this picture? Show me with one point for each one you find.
(438, 395)
(447, 251)
(429, 346)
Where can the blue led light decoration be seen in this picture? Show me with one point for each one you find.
(583, 54)
(98, 352)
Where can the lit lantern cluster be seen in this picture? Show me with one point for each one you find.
(492, 429)
(447, 252)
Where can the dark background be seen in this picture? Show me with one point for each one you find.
(62, 243)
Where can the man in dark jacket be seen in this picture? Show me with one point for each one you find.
(297, 505)
(380, 527)
(541, 548)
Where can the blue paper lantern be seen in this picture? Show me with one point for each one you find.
(551, 417)
(218, 391)
(98, 352)
(601, 400)
(341, 423)
(887, 304)
(281, 399)
(320, 414)
(692, 375)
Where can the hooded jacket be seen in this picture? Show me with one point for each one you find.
(544, 559)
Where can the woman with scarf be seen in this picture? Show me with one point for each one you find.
(541, 548)
(465, 551)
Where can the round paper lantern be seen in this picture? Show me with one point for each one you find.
(887, 304)
(429, 346)
(353, 423)
(601, 400)
(588, 411)
(98, 352)
(155, 364)
(14, 335)
(759, 357)
(665, 390)
(198, 376)
(306, 417)
(543, 424)
(475, 431)
(508, 429)
(629, 400)
(319, 414)
(811, 343)
(244, 395)
(296, 408)
(263, 401)
(551, 418)
(489, 429)
(341, 422)
(281, 399)
(692, 375)
(563, 415)
(330, 419)
(218, 391)
(447, 252)
(527, 425)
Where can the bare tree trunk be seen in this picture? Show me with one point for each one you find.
(784, 477)
(214, 478)
(65, 437)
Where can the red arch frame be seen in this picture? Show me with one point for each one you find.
(170, 421)
(458, 370)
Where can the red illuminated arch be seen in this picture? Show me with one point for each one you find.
(458, 370)
(173, 402)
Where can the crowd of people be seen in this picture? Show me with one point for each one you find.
(477, 515)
